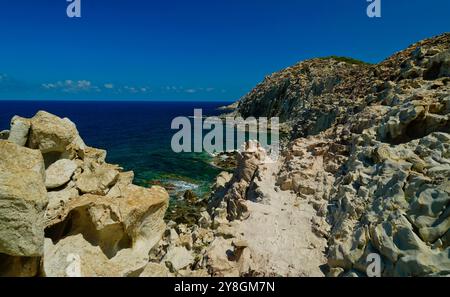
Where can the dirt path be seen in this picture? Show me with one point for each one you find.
(279, 233)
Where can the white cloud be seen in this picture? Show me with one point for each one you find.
(70, 86)
(76, 86)
(175, 89)
(131, 89)
(172, 89)
(135, 89)
(84, 84)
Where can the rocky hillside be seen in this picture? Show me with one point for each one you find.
(314, 95)
(370, 151)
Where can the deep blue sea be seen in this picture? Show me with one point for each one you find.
(137, 136)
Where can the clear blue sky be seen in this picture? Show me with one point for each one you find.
(191, 49)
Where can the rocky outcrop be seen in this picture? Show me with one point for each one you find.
(393, 201)
(235, 194)
(316, 94)
(56, 138)
(392, 198)
(97, 180)
(366, 171)
(250, 229)
(370, 152)
(20, 128)
(23, 200)
(311, 96)
(94, 220)
(115, 231)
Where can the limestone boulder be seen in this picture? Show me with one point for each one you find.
(99, 180)
(93, 156)
(57, 201)
(178, 258)
(59, 173)
(52, 134)
(115, 233)
(218, 260)
(234, 192)
(20, 128)
(123, 181)
(74, 256)
(23, 200)
(202, 238)
(205, 220)
(143, 211)
(399, 195)
(17, 157)
(438, 66)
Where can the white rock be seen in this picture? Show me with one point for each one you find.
(59, 173)
(99, 181)
(178, 258)
(20, 128)
(50, 133)
(23, 200)
(58, 199)
(205, 220)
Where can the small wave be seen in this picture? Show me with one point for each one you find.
(181, 186)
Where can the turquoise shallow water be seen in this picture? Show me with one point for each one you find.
(136, 135)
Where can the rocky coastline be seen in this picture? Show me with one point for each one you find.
(365, 170)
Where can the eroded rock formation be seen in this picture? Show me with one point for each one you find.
(64, 211)
(372, 157)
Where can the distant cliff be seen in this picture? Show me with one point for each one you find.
(313, 95)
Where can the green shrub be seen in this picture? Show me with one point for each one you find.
(346, 60)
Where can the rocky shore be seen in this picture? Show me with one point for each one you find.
(365, 171)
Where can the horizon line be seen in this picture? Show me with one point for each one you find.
(118, 100)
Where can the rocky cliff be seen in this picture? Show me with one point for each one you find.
(369, 151)
(317, 94)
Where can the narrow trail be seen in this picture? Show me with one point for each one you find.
(279, 232)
